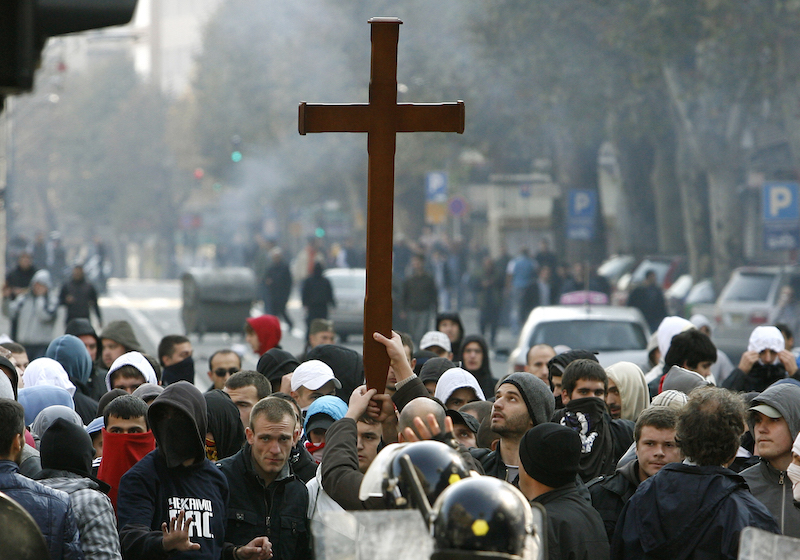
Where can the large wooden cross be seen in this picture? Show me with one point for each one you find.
(382, 118)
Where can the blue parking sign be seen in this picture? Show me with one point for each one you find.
(436, 186)
(581, 214)
(781, 202)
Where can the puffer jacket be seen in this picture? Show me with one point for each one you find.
(97, 523)
(51, 509)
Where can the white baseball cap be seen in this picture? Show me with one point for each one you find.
(435, 338)
(313, 374)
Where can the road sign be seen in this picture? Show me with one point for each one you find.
(781, 202)
(436, 186)
(781, 207)
(581, 214)
(457, 206)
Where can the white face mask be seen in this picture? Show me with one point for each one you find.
(794, 475)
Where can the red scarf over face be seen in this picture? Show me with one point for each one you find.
(120, 453)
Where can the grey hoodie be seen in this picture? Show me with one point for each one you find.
(769, 485)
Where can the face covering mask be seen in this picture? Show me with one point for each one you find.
(794, 475)
(316, 450)
(182, 371)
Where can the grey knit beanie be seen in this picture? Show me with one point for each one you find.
(537, 396)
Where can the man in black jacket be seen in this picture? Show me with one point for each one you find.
(655, 447)
(173, 502)
(265, 496)
(522, 401)
(550, 458)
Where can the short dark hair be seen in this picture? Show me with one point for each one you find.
(223, 351)
(582, 369)
(290, 399)
(125, 407)
(690, 347)
(783, 327)
(658, 417)
(12, 423)
(126, 371)
(247, 378)
(710, 425)
(167, 345)
(273, 409)
(13, 347)
(407, 341)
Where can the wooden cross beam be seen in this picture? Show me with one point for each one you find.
(382, 118)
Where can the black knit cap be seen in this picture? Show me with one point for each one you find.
(551, 454)
(67, 447)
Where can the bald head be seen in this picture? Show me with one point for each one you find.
(420, 408)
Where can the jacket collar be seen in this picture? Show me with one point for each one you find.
(7, 466)
(630, 472)
(548, 497)
(770, 473)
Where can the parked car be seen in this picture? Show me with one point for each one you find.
(615, 333)
(349, 289)
(749, 299)
(615, 266)
(667, 268)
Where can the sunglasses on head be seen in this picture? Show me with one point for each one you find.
(222, 372)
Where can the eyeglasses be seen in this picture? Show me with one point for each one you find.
(222, 372)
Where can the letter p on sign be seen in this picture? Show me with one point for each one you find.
(780, 202)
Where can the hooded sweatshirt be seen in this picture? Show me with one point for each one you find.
(121, 332)
(225, 424)
(484, 373)
(683, 380)
(771, 486)
(35, 315)
(71, 353)
(159, 486)
(275, 363)
(455, 345)
(36, 399)
(347, 366)
(97, 382)
(454, 379)
(633, 391)
(136, 360)
(268, 329)
(47, 371)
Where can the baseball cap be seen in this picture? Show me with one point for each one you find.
(319, 420)
(463, 418)
(313, 374)
(766, 410)
(435, 338)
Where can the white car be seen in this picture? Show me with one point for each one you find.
(349, 289)
(615, 333)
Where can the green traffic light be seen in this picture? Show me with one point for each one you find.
(319, 232)
(236, 156)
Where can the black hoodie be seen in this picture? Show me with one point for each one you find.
(484, 373)
(455, 347)
(347, 366)
(154, 489)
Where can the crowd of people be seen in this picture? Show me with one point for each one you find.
(116, 453)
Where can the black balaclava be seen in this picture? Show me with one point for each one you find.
(587, 417)
(224, 423)
(179, 422)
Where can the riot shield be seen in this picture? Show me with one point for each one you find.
(372, 535)
(20, 538)
(755, 544)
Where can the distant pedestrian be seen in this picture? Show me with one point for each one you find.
(79, 297)
(419, 298)
(489, 297)
(317, 296)
(279, 283)
(521, 275)
(649, 299)
(34, 315)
